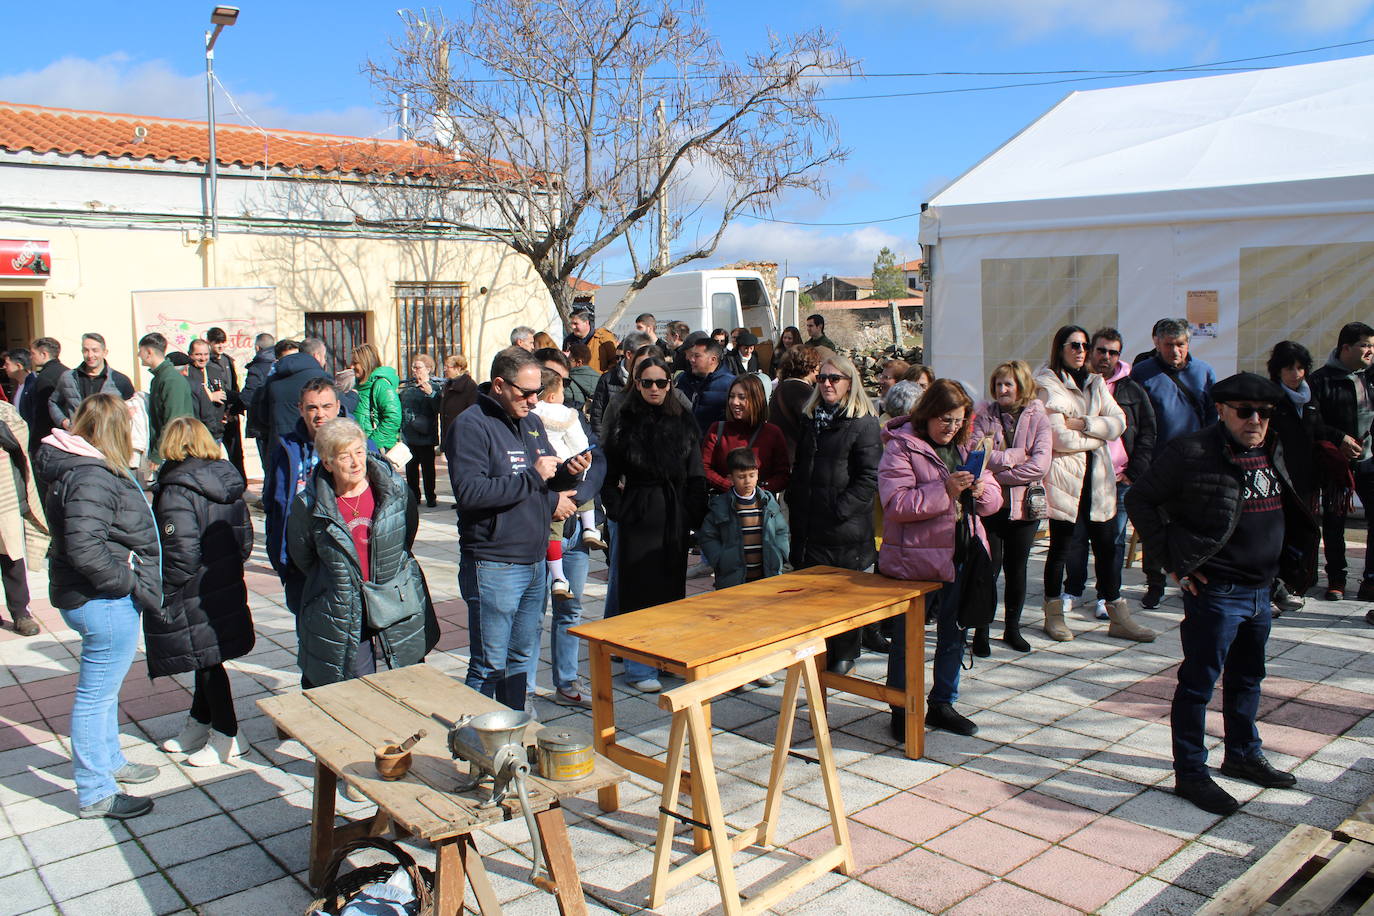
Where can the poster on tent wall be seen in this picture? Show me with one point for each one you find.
(1204, 312)
(182, 315)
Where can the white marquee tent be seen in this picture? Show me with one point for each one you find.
(1244, 202)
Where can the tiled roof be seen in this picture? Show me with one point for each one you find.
(581, 286)
(911, 265)
(96, 133)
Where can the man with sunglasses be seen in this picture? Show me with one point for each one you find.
(508, 484)
(1179, 386)
(1219, 510)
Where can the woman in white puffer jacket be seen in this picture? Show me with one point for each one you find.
(1080, 485)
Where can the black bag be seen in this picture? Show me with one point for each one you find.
(392, 602)
(974, 582)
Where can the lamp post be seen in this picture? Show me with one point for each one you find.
(220, 17)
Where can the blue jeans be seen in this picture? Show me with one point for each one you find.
(1224, 631)
(505, 606)
(949, 648)
(109, 629)
(1076, 573)
(567, 612)
(634, 671)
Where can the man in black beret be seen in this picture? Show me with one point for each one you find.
(1218, 508)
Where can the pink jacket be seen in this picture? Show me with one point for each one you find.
(918, 515)
(1026, 460)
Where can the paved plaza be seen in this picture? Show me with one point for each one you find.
(1061, 804)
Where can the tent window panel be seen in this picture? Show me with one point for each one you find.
(1025, 300)
(1303, 293)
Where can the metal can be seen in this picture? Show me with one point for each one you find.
(564, 754)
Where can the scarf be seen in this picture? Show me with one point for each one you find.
(824, 416)
(1299, 397)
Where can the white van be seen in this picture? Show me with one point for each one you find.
(706, 300)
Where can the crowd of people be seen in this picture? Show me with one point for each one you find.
(654, 448)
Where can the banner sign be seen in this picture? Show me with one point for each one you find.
(182, 315)
(27, 258)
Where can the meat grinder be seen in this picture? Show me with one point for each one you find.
(492, 745)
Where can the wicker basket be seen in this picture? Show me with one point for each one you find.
(338, 889)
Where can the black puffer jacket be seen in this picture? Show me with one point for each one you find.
(830, 497)
(206, 536)
(104, 539)
(330, 623)
(1187, 505)
(1334, 391)
(1139, 436)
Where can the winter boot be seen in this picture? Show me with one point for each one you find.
(1055, 627)
(1122, 626)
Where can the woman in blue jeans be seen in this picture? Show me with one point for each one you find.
(920, 485)
(104, 570)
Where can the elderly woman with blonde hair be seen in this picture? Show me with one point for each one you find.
(204, 620)
(365, 602)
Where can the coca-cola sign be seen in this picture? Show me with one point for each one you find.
(27, 258)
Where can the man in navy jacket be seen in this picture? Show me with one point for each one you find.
(1179, 386)
(508, 485)
(707, 383)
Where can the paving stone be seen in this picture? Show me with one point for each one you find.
(1001, 898)
(855, 899)
(1152, 896)
(1041, 815)
(24, 892)
(1124, 843)
(927, 880)
(986, 845)
(912, 817)
(78, 875)
(173, 810)
(234, 870)
(966, 790)
(1200, 868)
(73, 838)
(285, 895)
(149, 895)
(1073, 878)
(871, 847)
(197, 840)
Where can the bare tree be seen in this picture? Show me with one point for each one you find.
(551, 111)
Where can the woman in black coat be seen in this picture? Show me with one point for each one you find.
(655, 492)
(204, 620)
(834, 483)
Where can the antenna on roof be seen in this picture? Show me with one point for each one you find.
(140, 134)
(403, 129)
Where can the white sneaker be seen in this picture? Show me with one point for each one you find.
(191, 739)
(561, 589)
(765, 680)
(648, 685)
(221, 748)
(591, 537)
(1100, 609)
(1069, 600)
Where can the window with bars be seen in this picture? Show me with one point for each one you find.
(340, 331)
(429, 319)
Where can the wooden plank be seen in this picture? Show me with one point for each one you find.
(820, 726)
(706, 798)
(1251, 890)
(661, 875)
(487, 901)
(1329, 884)
(863, 687)
(915, 700)
(1358, 830)
(782, 743)
(449, 883)
(322, 824)
(702, 691)
(553, 835)
(794, 881)
(706, 628)
(603, 715)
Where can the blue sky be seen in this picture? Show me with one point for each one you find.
(297, 64)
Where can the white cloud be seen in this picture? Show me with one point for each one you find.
(810, 251)
(116, 83)
(1311, 15)
(1149, 24)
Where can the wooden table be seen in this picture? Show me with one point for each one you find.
(341, 724)
(698, 636)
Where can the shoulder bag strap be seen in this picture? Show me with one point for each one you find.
(1192, 398)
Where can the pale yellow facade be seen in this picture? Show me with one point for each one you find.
(96, 270)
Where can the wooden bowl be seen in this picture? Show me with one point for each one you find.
(392, 762)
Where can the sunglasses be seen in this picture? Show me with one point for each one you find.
(1075, 345)
(1105, 352)
(525, 393)
(1246, 413)
(647, 383)
(833, 379)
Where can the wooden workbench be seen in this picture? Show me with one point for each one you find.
(341, 725)
(698, 636)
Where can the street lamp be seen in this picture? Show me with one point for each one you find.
(220, 17)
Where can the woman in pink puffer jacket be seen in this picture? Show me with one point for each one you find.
(1022, 446)
(919, 486)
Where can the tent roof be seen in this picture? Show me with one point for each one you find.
(1287, 124)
